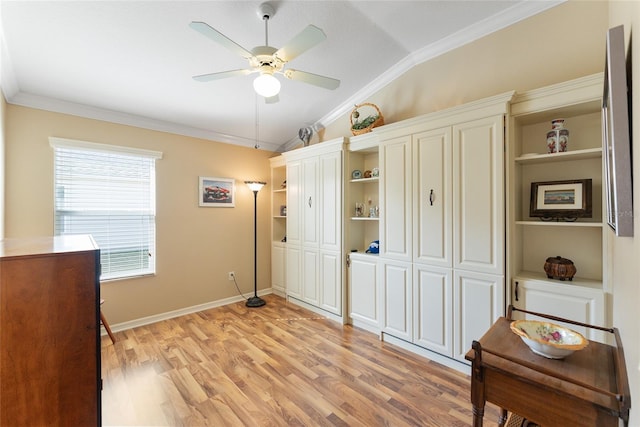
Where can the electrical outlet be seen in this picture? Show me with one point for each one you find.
(232, 275)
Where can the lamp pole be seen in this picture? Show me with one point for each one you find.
(255, 300)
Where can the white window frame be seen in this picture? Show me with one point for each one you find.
(138, 205)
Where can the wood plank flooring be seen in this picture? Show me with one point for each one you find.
(277, 365)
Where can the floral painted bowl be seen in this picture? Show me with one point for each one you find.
(547, 339)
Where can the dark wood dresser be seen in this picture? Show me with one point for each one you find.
(50, 332)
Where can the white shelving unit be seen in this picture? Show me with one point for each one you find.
(530, 240)
(278, 223)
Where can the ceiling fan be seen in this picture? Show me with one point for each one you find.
(268, 60)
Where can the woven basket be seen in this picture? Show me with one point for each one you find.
(378, 122)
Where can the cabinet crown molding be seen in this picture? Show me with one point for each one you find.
(497, 104)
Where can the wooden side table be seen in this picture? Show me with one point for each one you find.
(588, 388)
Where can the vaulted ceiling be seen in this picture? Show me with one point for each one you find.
(132, 62)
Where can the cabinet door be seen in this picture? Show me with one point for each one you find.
(433, 306)
(396, 282)
(432, 228)
(330, 201)
(310, 202)
(577, 303)
(478, 302)
(277, 268)
(395, 199)
(331, 281)
(294, 202)
(292, 268)
(478, 185)
(309, 273)
(363, 288)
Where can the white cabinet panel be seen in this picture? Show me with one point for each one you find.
(573, 302)
(278, 267)
(310, 202)
(432, 197)
(397, 285)
(331, 201)
(478, 185)
(395, 199)
(292, 268)
(363, 287)
(310, 291)
(330, 279)
(433, 306)
(294, 181)
(478, 303)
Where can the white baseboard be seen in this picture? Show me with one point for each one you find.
(443, 360)
(176, 313)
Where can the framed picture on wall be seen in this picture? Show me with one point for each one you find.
(217, 192)
(616, 136)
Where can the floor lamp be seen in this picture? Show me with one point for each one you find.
(255, 300)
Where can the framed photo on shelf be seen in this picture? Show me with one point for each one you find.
(569, 199)
(217, 192)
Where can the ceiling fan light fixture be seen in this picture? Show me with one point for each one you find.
(266, 85)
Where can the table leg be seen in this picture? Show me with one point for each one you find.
(503, 417)
(477, 385)
(478, 415)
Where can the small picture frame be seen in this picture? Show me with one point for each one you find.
(216, 192)
(570, 199)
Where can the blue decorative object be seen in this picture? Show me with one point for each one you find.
(374, 247)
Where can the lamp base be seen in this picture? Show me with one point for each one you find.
(255, 302)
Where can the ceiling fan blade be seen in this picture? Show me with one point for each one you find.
(272, 99)
(308, 38)
(218, 37)
(314, 79)
(221, 75)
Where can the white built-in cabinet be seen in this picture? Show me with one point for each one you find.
(442, 226)
(530, 240)
(313, 252)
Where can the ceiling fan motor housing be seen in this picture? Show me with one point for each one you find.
(265, 11)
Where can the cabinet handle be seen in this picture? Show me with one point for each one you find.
(431, 196)
(309, 201)
(516, 292)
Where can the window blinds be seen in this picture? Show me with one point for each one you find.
(108, 192)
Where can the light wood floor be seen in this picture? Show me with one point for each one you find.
(278, 365)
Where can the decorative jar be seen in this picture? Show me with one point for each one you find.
(559, 268)
(557, 137)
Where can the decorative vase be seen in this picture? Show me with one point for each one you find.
(557, 137)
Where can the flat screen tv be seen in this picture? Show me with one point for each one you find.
(616, 135)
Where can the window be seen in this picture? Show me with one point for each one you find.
(109, 192)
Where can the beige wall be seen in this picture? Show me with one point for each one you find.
(196, 247)
(626, 250)
(562, 43)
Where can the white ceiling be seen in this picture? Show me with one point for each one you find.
(132, 62)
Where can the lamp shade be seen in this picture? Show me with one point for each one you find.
(266, 85)
(255, 185)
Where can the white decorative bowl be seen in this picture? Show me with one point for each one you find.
(548, 339)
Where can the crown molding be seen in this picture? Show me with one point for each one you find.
(89, 112)
(506, 18)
